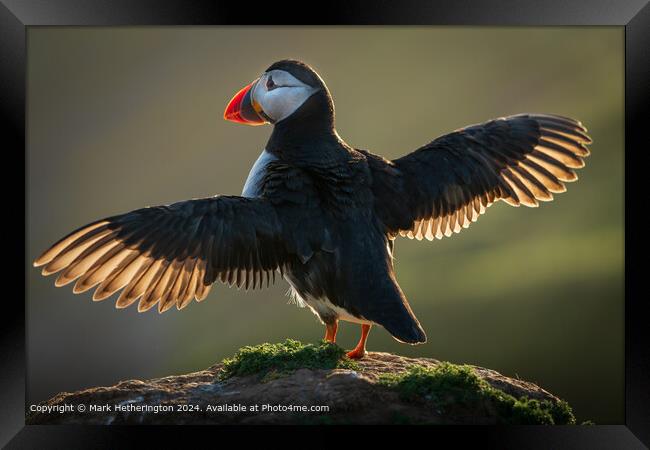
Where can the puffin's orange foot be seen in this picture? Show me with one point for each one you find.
(360, 350)
(357, 353)
(330, 331)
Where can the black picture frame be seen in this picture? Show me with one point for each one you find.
(634, 15)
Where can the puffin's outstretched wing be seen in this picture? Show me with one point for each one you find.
(172, 254)
(449, 182)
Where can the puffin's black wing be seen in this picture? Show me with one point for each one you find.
(172, 254)
(448, 183)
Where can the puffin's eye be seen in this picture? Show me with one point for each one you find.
(270, 84)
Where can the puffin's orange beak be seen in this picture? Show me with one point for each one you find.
(243, 109)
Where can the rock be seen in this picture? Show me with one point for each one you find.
(381, 388)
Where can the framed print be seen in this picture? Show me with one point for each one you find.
(425, 214)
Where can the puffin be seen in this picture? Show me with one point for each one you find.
(319, 213)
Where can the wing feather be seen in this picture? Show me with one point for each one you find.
(169, 255)
(447, 184)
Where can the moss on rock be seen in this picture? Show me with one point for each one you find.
(457, 390)
(383, 389)
(272, 361)
(449, 390)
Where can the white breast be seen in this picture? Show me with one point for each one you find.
(252, 185)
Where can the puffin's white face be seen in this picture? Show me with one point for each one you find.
(279, 94)
(272, 97)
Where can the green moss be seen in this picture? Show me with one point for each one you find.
(453, 390)
(272, 361)
(456, 390)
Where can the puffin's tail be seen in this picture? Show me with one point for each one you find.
(388, 307)
(404, 326)
(413, 334)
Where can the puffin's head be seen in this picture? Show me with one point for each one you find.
(288, 88)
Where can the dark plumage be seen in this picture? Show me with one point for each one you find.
(324, 215)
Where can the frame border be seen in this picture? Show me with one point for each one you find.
(634, 15)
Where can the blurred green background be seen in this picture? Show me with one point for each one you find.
(120, 118)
